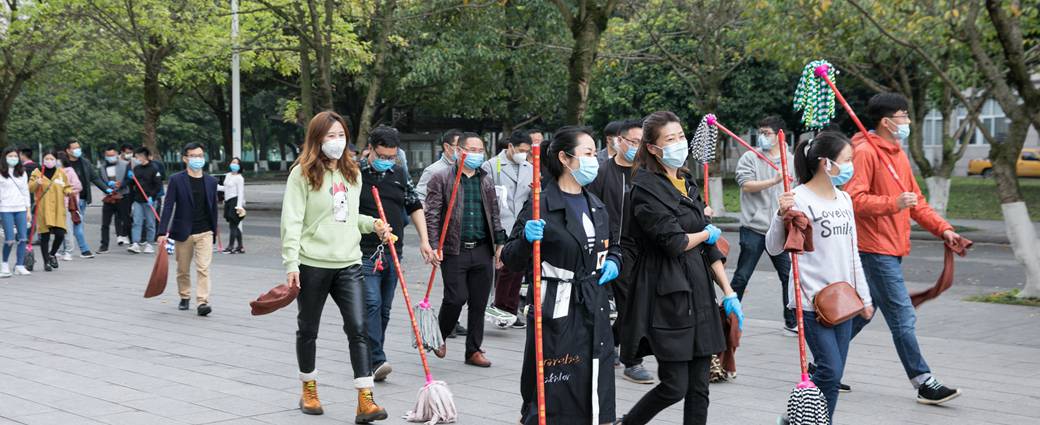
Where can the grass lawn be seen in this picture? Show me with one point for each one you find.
(1008, 297)
(970, 197)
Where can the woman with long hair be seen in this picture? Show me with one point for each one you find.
(577, 260)
(71, 200)
(674, 313)
(234, 189)
(50, 186)
(321, 250)
(14, 209)
(822, 164)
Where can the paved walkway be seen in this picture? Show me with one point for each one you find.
(81, 346)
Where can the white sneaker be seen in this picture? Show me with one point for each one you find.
(21, 271)
(122, 240)
(148, 249)
(5, 270)
(134, 249)
(66, 257)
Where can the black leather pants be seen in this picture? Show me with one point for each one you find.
(346, 286)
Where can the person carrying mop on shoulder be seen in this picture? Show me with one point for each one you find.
(578, 259)
(321, 250)
(821, 164)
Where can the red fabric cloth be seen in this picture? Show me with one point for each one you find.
(799, 232)
(160, 271)
(731, 329)
(945, 281)
(278, 297)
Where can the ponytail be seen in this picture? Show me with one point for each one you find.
(809, 153)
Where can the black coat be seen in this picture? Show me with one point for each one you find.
(672, 310)
(578, 345)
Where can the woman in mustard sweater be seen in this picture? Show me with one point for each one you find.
(321, 251)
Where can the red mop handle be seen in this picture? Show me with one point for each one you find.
(404, 289)
(145, 195)
(746, 144)
(444, 228)
(539, 355)
(794, 270)
(821, 71)
(707, 201)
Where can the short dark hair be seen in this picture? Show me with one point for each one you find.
(385, 136)
(463, 136)
(884, 105)
(143, 150)
(626, 125)
(807, 155)
(612, 128)
(27, 152)
(68, 143)
(448, 135)
(773, 121)
(110, 148)
(126, 147)
(564, 139)
(518, 137)
(192, 146)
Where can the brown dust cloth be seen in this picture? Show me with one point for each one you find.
(278, 297)
(731, 329)
(157, 280)
(960, 247)
(799, 232)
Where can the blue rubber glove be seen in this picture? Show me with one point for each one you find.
(732, 305)
(129, 174)
(534, 230)
(609, 272)
(713, 234)
(150, 202)
(111, 183)
(108, 191)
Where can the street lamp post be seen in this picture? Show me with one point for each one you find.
(236, 105)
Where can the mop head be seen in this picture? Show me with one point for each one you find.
(807, 406)
(705, 138)
(814, 96)
(435, 405)
(429, 328)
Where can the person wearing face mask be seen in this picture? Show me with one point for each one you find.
(112, 173)
(14, 207)
(669, 242)
(126, 153)
(610, 132)
(822, 164)
(234, 189)
(87, 175)
(760, 187)
(885, 199)
(471, 247)
(511, 172)
(72, 202)
(380, 169)
(579, 260)
(50, 187)
(147, 174)
(189, 218)
(449, 145)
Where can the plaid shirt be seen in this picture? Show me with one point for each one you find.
(474, 222)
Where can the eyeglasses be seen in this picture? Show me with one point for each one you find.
(629, 141)
(900, 116)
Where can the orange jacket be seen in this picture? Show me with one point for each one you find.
(883, 228)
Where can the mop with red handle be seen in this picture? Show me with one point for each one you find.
(806, 405)
(434, 404)
(703, 148)
(160, 269)
(536, 214)
(711, 119)
(430, 331)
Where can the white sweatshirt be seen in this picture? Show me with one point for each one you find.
(234, 187)
(835, 256)
(14, 193)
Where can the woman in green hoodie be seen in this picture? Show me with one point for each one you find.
(321, 251)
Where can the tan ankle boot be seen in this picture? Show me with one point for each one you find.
(309, 402)
(367, 409)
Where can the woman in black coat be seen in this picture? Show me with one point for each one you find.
(577, 260)
(670, 246)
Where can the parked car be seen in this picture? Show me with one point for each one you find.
(1028, 165)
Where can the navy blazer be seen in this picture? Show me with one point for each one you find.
(179, 205)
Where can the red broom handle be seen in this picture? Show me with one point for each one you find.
(536, 213)
(404, 289)
(822, 73)
(746, 144)
(444, 227)
(145, 197)
(707, 200)
(794, 271)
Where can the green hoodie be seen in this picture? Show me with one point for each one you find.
(322, 228)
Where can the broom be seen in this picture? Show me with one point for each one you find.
(703, 148)
(806, 405)
(536, 214)
(429, 327)
(434, 403)
(713, 120)
(161, 267)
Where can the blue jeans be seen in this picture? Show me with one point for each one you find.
(12, 221)
(143, 217)
(752, 245)
(379, 297)
(830, 347)
(888, 290)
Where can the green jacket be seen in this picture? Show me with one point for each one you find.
(322, 228)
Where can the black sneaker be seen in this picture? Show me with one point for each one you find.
(102, 250)
(842, 388)
(460, 331)
(86, 254)
(934, 392)
(183, 305)
(520, 323)
(204, 310)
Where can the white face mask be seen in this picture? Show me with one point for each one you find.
(520, 157)
(334, 148)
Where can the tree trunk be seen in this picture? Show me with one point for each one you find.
(375, 84)
(717, 203)
(1022, 234)
(579, 70)
(306, 89)
(152, 106)
(938, 193)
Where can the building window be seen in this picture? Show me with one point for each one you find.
(933, 131)
(992, 117)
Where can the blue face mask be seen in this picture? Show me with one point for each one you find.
(674, 155)
(12, 161)
(196, 163)
(588, 167)
(903, 131)
(473, 160)
(78, 152)
(111, 159)
(234, 168)
(630, 154)
(845, 172)
(382, 165)
(764, 142)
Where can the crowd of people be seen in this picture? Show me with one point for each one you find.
(623, 228)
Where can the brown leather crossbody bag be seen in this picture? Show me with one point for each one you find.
(839, 301)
